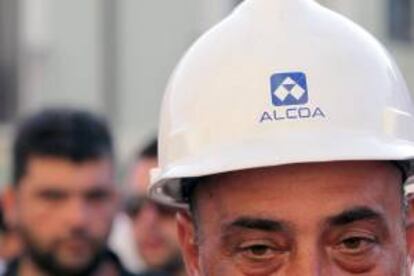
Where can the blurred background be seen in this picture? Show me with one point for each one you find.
(115, 56)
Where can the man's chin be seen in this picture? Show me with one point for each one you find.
(68, 262)
(166, 262)
(75, 260)
(156, 262)
(69, 255)
(75, 263)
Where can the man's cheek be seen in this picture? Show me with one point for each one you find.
(218, 266)
(37, 214)
(97, 232)
(410, 241)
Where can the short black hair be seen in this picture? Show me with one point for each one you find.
(149, 150)
(76, 135)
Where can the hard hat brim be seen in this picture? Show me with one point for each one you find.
(166, 184)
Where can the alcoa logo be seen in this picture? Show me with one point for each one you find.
(289, 89)
(289, 94)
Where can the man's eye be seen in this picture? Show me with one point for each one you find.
(258, 252)
(356, 245)
(52, 195)
(357, 253)
(97, 195)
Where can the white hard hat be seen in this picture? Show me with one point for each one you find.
(280, 82)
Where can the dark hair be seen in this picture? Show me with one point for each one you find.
(150, 150)
(71, 134)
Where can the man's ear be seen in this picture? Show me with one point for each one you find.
(188, 242)
(9, 204)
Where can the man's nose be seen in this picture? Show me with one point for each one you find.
(309, 261)
(149, 214)
(76, 212)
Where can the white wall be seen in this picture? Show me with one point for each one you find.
(152, 36)
(61, 53)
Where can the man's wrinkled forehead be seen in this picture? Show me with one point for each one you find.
(300, 196)
(354, 176)
(337, 169)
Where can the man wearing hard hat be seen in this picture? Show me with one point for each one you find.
(286, 134)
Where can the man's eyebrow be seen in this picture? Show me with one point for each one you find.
(51, 192)
(258, 224)
(355, 214)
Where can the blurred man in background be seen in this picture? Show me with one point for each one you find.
(64, 196)
(154, 224)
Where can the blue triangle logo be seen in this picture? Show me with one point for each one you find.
(289, 87)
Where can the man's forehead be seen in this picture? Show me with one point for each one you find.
(59, 171)
(339, 168)
(312, 172)
(140, 176)
(302, 182)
